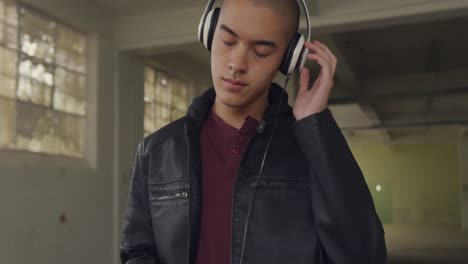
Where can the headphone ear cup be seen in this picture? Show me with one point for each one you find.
(293, 55)
(209, 27)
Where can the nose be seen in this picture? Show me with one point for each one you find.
(238, 61)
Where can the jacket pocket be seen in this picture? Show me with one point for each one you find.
(168, 191)
(277, 184)
(170, 196)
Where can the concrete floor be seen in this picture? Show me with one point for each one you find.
(426, 245)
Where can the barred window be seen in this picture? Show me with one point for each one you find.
(42, 83)
(165, 98)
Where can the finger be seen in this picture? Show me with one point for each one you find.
(328, 51)
(318, 50)
(329, 58)
(323, 62)
(304, 80)
(326, 68)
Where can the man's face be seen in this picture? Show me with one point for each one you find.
(251, 40)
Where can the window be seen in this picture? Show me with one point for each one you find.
(166, 99)
(42, 83)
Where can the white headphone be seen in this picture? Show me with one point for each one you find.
(295, 56)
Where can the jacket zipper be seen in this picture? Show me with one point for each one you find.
(170, 196)
(263, 183)
(190, 189)
(233, 193)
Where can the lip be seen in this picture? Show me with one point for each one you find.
(235, 85)
(235, 82)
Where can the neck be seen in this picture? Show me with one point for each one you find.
(235, 116)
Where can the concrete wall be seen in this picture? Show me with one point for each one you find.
(60, 210)
(419, 182)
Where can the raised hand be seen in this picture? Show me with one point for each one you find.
(314, 100)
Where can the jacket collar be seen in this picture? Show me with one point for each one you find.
(202, 104)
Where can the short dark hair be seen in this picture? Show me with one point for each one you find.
(289, 8)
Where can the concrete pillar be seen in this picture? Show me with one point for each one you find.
(129, 123)
(463, 169)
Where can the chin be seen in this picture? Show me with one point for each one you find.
(230, 99)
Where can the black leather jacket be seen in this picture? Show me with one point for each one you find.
(311, 205)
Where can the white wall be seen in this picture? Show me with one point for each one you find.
(35, 190)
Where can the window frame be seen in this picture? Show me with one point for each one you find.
(87, 157)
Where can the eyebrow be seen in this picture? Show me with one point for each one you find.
(258, 42)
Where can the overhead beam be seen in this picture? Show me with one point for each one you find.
(420, 82)
(414, 85)
(372, 98)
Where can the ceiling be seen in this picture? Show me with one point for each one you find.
(403, 49)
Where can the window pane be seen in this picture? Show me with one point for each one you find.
(7, 87)
(35, 82)
(71, 49)
(11, 13)
(30, 79)
(149, 75)
(179, 95)
(34, 128)
(69, 95)
(176, 114)
(40, 49)
(11, 37)
(70, 60)
(37, 36)
(69, 104)
(36, 26)
(70, 83)
(149, 124)
(2, 11)
(2, 29)
(34, 92)
(36, 70)
(8, 62)
(71, 40)
(149, 92)
(8, 66)
(69, 134)
(43, 130)
(163, 88)
(8, 123)
(168, 97)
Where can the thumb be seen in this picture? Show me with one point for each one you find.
(304, 80)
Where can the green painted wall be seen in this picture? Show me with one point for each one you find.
(419, 182)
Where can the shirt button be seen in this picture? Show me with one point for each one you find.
(234, 151)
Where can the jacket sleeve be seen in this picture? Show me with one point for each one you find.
(137, 246)
(347, 224)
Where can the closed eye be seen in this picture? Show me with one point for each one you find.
(256, 53)
(260, 55)
(229, 43)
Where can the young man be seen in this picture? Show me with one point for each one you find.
(245, 178)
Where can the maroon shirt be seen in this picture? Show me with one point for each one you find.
(221, 149)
